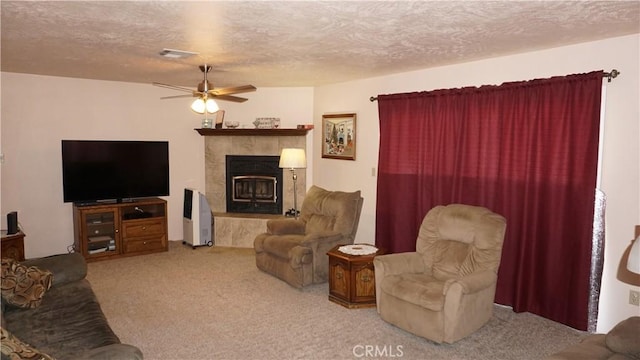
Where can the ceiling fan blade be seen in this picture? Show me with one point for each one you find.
(232, 90)
(176, 96)
(173, 87)
(229, 98)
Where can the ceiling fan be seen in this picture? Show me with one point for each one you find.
(205, 93)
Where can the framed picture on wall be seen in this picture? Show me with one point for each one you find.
(339, 136)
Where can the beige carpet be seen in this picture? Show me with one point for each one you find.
(213, 303)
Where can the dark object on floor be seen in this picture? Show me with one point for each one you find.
(291, 213)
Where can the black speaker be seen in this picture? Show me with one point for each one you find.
(12, 222)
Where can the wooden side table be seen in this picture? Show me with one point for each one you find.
(13, 245)
(352, 279)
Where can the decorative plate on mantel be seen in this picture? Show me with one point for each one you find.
(358, 249)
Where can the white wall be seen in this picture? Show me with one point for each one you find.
(39, 111)
(621, 168)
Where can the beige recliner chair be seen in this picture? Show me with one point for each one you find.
(296, 250)
(445, 290)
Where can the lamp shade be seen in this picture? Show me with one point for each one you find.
(198, 106)
(633, 263)
(212, 106)
(293, 159)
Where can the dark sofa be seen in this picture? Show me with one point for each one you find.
(68, 323)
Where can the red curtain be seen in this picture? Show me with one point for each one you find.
(526, 150)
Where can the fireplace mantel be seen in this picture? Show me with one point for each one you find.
(252, 132)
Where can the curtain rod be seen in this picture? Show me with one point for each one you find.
(609, 75)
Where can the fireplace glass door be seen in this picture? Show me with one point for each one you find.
(254, 184)
(254, 188)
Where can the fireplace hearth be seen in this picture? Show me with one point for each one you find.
(253, 184)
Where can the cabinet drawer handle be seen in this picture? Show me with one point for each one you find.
(144, 228)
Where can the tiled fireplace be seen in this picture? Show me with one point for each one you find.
(237, 229)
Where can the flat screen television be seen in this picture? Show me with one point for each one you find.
(105, 170)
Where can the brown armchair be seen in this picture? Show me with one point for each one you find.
(445, 290)
(296, 250)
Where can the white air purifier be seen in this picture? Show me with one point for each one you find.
(197, 220)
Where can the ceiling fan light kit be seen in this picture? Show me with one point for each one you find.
(201, 106)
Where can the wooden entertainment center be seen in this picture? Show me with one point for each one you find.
(112, 230)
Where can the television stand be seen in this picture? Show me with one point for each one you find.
(109, 230)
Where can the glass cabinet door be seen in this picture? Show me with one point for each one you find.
(101, 232)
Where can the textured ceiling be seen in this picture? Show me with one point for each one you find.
(288, 43)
